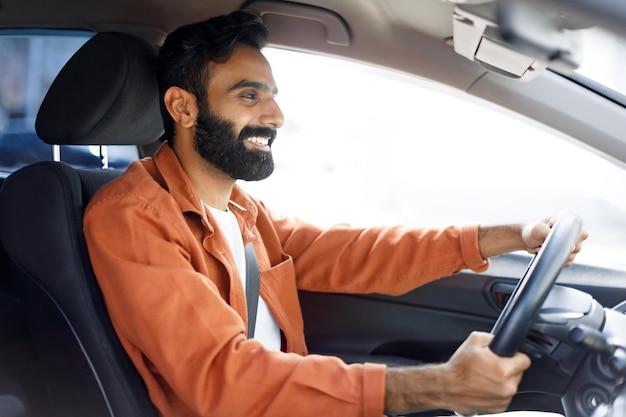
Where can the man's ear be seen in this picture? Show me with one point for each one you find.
(182, 106)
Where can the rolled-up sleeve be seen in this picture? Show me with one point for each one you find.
(470, 251)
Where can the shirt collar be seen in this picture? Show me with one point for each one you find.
(183, 192)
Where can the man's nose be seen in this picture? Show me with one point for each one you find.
(272, 115)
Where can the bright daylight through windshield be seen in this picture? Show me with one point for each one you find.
(371, 160)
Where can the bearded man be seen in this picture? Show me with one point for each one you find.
(167, 240)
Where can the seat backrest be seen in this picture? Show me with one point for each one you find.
(14, 341)
(106, 94)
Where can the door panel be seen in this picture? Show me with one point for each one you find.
(430, 322)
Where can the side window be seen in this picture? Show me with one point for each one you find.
(29, 63)
(365, 146)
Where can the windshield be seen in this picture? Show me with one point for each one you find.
(345, 158)
(603, 59)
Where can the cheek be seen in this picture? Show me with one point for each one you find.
(238, 116)
(229, 109)
(238, 124)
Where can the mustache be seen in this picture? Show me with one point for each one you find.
(251, 131)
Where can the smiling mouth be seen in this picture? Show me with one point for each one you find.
(259, 142)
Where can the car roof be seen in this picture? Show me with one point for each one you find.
(147, 17)
(375, 27)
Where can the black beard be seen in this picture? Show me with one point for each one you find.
(220, 146)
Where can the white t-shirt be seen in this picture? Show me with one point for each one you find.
(266, 330)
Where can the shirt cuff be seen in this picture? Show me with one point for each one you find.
(469, 249)
(373, 389)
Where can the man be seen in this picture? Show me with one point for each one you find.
(167, 244)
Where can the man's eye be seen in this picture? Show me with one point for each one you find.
(249, 96)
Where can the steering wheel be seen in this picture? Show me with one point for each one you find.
(531, 291)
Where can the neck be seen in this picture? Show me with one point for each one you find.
(213, 186)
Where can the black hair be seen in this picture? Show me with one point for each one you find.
(186, 53)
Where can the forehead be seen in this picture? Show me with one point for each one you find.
(246, 64)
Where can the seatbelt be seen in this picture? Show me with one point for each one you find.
(253, 287)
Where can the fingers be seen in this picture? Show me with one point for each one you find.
(516, 364)
(520, 362)
(482, 381)
(534, 234)
(584, 234)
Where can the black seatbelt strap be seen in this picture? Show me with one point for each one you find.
(253, 287)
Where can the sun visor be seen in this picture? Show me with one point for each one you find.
(477, 38)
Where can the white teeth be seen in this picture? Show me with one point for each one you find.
(258, 140)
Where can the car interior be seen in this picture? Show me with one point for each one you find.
(87, 369)
(59, 355)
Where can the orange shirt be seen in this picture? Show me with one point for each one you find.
(178, 305)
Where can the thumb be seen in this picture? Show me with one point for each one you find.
(534, 234)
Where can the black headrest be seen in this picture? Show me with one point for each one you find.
(106, 94)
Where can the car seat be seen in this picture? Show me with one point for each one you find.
(105, 94)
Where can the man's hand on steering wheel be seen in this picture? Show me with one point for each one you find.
(534, 234)
(500, 239)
